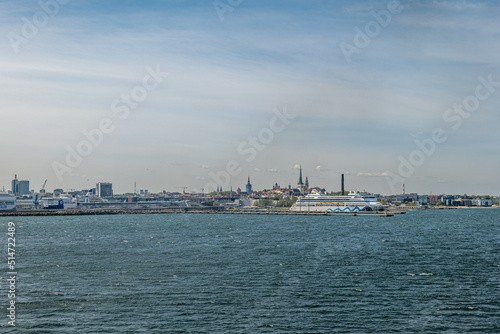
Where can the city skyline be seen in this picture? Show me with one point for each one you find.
(249, 185)
(172, 94)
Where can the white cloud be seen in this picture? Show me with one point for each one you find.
(372, 174)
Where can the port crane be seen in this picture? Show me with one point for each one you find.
(42, 191)
(37, 197)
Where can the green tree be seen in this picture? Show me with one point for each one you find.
(265, 202)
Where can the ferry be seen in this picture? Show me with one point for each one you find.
(59, 203)
(7, 202)
(353, 202)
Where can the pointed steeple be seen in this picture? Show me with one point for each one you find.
(249, 186)
(300, 184)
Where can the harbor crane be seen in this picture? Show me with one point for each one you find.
(42, 191)
(36, 201)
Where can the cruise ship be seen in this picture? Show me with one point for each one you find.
(7, 202)
(353, 202)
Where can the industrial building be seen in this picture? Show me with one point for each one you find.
(20, 187)
(104, 189)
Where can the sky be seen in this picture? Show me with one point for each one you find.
(199, 94)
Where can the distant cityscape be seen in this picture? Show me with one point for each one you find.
(274, 196)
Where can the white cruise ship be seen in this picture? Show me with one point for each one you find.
(354, 202)
(7, 202)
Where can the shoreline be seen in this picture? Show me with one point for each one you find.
(180, 210)
(212, 210)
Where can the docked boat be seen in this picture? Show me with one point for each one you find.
(386, 214)
(354, 202)
(69, 202)
(59, 203)
(7, 202)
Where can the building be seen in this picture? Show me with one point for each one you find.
(424, 199)
(460, 201)
(104, 189)
(20, 187)
(249, 190)
(15, 186)
(300, 184)
(24, 188)
(482, 202)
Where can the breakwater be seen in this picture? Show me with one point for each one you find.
(197, 210)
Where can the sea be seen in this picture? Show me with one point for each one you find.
(427, 271)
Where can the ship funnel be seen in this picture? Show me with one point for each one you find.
(342, 184)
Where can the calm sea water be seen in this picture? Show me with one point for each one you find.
(423, 272)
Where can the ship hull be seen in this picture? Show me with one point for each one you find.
(7, 207)
(7, 202)
(63, 203)
(355, 208)
(340, 204)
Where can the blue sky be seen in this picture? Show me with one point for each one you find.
(224, 80)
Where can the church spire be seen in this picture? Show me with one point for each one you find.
(300, 184)
(249, 187)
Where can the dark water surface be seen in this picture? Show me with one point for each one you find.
(423, 272)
